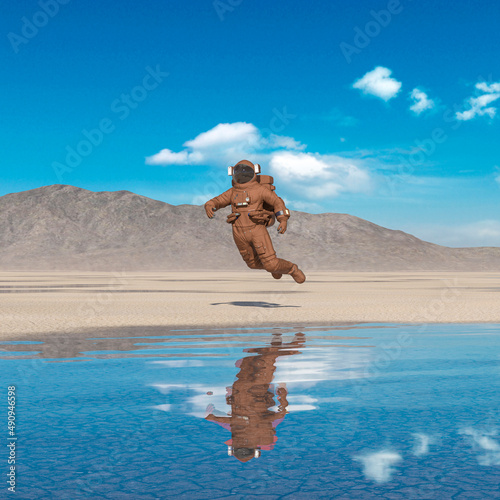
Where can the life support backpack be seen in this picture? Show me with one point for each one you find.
(268, 182)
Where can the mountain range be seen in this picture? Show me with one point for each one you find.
(62, 227)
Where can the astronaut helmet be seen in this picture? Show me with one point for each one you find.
(243, 454)
(244, 171)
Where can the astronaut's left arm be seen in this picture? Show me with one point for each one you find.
(282, 213)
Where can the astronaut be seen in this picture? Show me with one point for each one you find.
(255, 205)
(252, 422)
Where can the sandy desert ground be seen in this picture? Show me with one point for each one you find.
(40, 303)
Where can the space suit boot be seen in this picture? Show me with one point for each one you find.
(297, 274)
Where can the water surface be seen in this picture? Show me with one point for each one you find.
(354, 411)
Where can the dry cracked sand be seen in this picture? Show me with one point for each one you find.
(64, 302)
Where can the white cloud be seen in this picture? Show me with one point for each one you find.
(302, 206)
(480, 233)
(421, 444)
(299, 402)
(486, 229)
(293, 372)
(226, 134)
(421, 101)
(168, 157)
(223, 145)
(166, 407)
(319, 176)
(378, 466)
(483, 441)
(299, 166)
(316, 365)
(198, 397)
(223, 142)
(282, 141)
(306, 174)
(479, 106)
(497, 175)
(491, 88)
(379, 83)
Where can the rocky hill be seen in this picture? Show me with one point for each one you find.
(62, 227)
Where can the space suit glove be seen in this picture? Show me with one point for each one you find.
(210, 209)
(231, 218)
(283, 223)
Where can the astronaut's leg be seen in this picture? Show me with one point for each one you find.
(247, 251)
(265, 250)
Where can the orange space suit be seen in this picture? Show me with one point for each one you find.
(254, 207)
(252, 423)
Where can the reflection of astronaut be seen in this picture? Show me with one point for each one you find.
(252, 423)
(254, 206)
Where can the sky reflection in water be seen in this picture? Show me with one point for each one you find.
(389, 411)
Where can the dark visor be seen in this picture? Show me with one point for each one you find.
(243, 173)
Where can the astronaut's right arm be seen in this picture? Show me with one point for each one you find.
(221, 201)
(221, 420)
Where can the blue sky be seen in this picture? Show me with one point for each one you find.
(386, 110)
